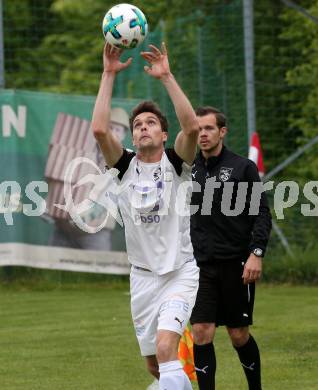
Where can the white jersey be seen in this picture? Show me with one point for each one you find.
(156, 211)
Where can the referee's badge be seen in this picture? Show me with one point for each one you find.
(225, 173)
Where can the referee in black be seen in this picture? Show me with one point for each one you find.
(229, 244)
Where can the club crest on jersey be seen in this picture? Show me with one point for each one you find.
(225, 173)
(157, 174)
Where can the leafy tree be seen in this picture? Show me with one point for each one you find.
(301, 34)
(25, 23)
(56, 45)
(272, 60)
(206, 56)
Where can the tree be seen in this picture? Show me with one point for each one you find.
(56, 45)
(25, 23)
(302, 34)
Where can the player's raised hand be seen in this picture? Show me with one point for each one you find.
(111, 59)
(158, 60)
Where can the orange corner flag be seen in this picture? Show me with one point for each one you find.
(185, 353)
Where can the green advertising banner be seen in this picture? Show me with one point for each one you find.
(39, 133)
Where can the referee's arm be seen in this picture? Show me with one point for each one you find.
(260, 232)
(263, 221)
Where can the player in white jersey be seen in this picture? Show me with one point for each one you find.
(153, 204)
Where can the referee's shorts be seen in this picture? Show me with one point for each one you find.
(222, 297)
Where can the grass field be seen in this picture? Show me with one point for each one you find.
(81, 337)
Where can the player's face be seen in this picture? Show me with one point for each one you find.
(210, 136)
(147, 131)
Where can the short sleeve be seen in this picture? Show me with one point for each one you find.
(123, 163)
(175, 160)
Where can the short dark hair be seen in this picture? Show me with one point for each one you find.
(148, 106)
(206, 110)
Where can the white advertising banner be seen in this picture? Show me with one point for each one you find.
(66, 259)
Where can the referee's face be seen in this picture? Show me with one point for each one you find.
(147, 132)
(210, 136)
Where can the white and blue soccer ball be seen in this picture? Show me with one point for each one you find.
(125, 26)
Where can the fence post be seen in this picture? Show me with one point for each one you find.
(248, 18)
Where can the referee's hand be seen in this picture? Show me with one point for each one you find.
(252, 269)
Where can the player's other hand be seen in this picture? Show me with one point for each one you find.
(158, 61)
(252, 269)
(111, 59)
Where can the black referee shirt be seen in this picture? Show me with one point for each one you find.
(217, 235)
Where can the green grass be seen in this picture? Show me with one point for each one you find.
(81, 337)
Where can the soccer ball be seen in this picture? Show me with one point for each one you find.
(125, 26)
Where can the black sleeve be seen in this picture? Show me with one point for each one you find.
(263, 221)
(175, 160)
(123, 163)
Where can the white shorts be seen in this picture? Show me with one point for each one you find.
(162, 302)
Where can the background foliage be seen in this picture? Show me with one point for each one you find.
(56, 45)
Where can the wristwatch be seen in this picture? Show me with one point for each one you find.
(258, 252)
